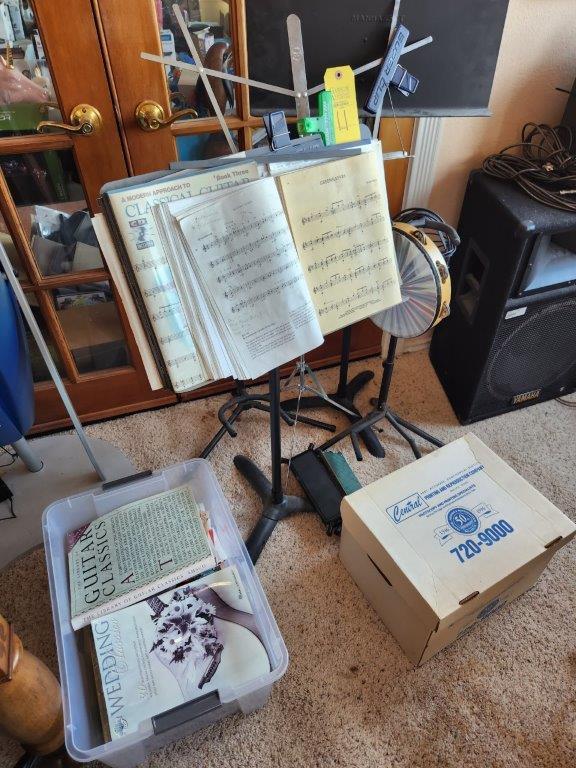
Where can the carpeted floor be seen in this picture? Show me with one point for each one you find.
(504, 695)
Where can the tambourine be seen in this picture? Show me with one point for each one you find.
(425, 285)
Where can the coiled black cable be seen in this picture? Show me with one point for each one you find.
(443, 235)
(543, 164)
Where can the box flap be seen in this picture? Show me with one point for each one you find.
(454, 523)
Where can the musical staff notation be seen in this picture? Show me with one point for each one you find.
(169, 311)
(176, 336)
(176, 362)
(247, 287)
(151, 263)
(186, 382)
(340, 232)
(156, 290)
(260, 261)
(363, 293)
(340, 206)
(348, 277)
(273, 291)
(238, 231)
(347, 254)
(247, 248)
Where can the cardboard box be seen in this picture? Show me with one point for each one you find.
(442, 543)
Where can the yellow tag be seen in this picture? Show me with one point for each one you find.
(341, 82)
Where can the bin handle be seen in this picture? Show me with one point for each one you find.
(183, 713)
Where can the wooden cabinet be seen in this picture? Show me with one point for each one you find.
(70, 53)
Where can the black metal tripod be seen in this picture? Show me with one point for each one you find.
(345, 396)
(276, 506)
(383, 411)
(242, 401)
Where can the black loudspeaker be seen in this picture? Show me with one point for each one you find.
(510, 339)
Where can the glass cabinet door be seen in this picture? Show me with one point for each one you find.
(191, 130)
(50, 177)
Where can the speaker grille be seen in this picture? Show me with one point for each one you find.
(533, 352)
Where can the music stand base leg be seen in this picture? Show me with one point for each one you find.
(346, 399)
(416, 430)
(272, 511)
(222, 432)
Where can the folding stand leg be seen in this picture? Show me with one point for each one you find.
(221, 432)
(276, 506)
(401, 426)
(416, 430)
(241, 402)
(44, 351)
(382, 411)
(345, 396)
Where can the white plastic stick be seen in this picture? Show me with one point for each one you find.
(44, 351)
(172, 62)
(202, 72)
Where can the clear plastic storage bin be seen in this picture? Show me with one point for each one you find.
(83, 732)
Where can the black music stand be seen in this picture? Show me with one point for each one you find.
(383, 411)
(276, 505)
(242, 401)
(345, 396)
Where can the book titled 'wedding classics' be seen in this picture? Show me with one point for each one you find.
(137, 551)
(175, 647)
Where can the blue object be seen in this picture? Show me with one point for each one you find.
(387, 70)
(16, 385)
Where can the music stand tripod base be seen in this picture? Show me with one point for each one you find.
(383, 411)
(275, 505)
(273, 511)
(242, 401)
(345, 396)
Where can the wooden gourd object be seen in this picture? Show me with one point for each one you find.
(30, 698)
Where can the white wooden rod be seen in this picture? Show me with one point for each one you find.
(172, 62)
(209, 90)
(44, 351)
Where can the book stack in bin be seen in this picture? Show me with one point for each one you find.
(158, 634)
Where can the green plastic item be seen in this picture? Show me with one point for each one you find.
(22, 117)
(323, 124)
(342, 471)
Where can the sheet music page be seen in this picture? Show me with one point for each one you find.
(241, 250)
(206, 334)
(338, 212)
(133, 213)
(110, 256)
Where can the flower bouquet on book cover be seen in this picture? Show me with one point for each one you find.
(174, 647)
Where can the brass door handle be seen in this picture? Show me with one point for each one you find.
(150, 116)
(84, 119)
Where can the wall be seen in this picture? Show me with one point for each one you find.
(538, 53)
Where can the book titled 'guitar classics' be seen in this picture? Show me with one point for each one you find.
(136, 551)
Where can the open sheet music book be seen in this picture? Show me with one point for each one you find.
(237, 269)
(255, 273)
(128, 207)
(265, 270)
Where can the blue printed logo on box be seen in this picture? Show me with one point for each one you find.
(462, 520)
(406, 508)
(489, 609)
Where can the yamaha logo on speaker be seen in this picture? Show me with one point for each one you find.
(525, 396)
